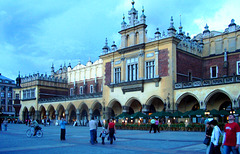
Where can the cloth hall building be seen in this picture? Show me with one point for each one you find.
(169, 71)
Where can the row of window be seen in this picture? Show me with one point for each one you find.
(3, 95)
(3, 102)
(132, 71)
(29, 93)
(80, 90)
(3, 88)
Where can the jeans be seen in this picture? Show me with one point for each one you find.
(111, 135)
(228, 149)
(93, 135)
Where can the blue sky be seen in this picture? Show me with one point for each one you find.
(34, 34)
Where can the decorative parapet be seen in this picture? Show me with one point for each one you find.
(70, 98)
(42, 77)
(208, 82)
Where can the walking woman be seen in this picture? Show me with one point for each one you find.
(214, 147)
(111, 130)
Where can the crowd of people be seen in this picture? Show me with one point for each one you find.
(229, 139)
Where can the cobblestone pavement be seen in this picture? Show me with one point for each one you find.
(14, 140)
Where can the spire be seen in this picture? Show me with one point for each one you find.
(69, 65)
(133, 3)
(171, 29)
(206, 29)
(143, 17)
(180, 27)
(124, 24)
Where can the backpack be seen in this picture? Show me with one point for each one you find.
(220, 139)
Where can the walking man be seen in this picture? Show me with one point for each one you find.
(152, 126)
(231, 138)
(93, 130)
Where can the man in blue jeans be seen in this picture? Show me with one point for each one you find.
(231, 139)
(93, 130)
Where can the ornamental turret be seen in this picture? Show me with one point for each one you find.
(106, 48)
(171, 29)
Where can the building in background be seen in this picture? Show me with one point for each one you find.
(167, 72)
(7, 107)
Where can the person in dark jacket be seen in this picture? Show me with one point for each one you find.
(209, 130)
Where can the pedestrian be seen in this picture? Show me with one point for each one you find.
(209, 130)
(5, 124)
(231, 137)
(156, 125)
(111, 130)
(152, 126)
(103, 135)
(63, 129)
(214, 146)
(93, 130)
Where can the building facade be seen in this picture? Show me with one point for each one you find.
(7, 104)
(168, 72)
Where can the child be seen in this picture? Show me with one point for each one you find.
(103, 135)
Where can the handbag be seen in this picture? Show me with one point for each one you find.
(206, 141)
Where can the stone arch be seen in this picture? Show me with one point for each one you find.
(51, 112)
(61, 111)
(42, 111)
(71, 112)
(187, 102)
(220, 100)
(25, 114)
(186, 94)
(96, 109)
(32, 113)
(84, 113)
(155, 104)
(134, 105)
(114, 107)
(214, 92)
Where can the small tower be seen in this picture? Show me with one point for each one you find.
(133, 15)
(106, 48)
(114, 46)
(123, 24)
(171, 29)
(143, 17)
(206, 32)
(157, 34)
(52, 70)
(232, 26)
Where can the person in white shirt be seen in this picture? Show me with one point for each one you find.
(93, 130)
(214, 146)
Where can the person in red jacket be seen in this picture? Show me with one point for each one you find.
(231, 139)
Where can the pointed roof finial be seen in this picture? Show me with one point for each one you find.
(180, 22)
(133, 3)
(89, 59)
(142, 9)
